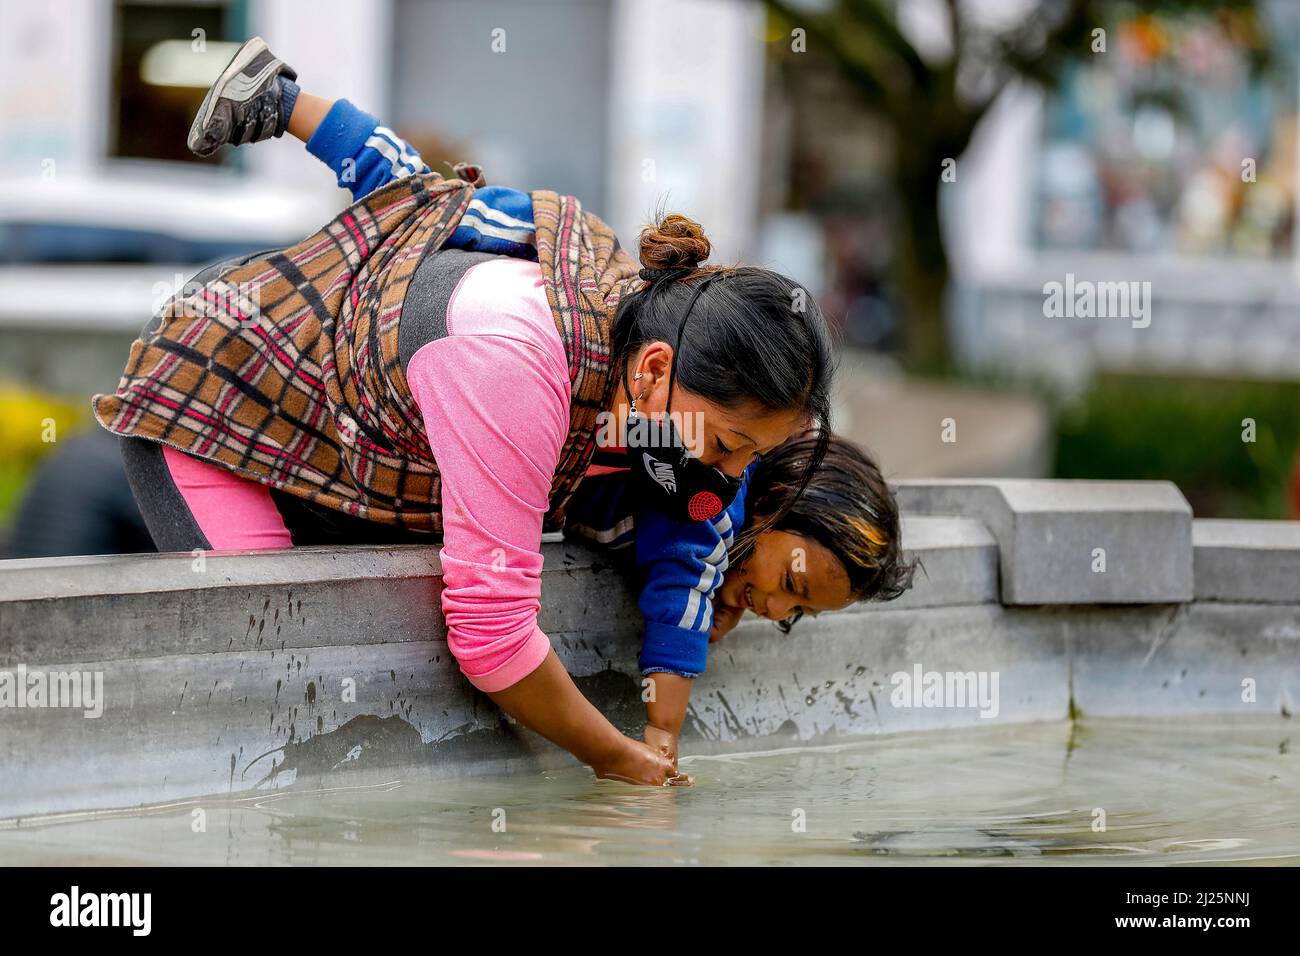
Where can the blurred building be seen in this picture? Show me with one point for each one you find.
(103, 213)
(1169, 159)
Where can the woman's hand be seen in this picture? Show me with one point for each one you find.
(548, 702)
(635, 762)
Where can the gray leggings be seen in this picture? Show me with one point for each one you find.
(166, 515)
(173, 527)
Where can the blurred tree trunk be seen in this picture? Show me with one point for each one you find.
(939, 133)
(921, 262)
(931, 120)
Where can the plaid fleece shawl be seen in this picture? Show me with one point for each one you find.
(286, 369)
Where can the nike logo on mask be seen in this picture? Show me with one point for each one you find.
(661, 472)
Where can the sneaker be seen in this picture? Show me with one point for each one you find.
(243, 105)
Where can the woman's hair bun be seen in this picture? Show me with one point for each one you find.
(673, 242)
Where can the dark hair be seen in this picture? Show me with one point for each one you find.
(750, 336)
(847, 508)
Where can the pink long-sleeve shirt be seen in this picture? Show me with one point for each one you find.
(494, 395)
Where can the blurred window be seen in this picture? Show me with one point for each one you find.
(164, 57)
(1180, 138)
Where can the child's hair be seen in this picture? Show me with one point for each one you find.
(741, 334)
(847, 508)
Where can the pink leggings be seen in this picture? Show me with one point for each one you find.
(234, 513)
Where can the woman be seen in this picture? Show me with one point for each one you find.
(387, 378)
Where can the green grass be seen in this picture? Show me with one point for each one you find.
(1188, 431)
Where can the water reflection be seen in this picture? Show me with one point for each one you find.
(1049, 794)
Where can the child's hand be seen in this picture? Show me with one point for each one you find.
(724, 619)
(665, 743)
(662, 741)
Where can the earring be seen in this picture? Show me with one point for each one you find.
(632, 414)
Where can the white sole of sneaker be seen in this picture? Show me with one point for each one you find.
(243, 56)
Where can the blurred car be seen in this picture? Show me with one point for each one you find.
(153, 214)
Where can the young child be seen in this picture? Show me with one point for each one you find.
(838, 545)
(849, 556)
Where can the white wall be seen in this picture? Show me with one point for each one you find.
(53, 65)
(685, 117)
(988, 210)
(340, 49)
(54, 71)
(518, 86)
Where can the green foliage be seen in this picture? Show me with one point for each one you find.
(1188, 431)
(30, 423)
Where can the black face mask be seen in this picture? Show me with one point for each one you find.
(669, 478)
(664, 474)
